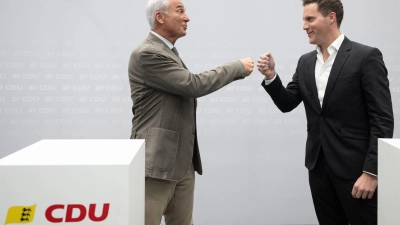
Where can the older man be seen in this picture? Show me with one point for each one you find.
(345, 91)
(164, 94)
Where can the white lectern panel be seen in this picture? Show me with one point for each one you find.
(75, 182)
(389, 181)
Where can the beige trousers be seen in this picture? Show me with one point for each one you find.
(173, 199)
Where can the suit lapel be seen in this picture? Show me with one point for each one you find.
(341, 57)
(177, 58)
(184, 64)
(311, 78)
(157, 41)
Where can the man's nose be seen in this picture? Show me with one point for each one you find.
(186, 17)
(305, 26)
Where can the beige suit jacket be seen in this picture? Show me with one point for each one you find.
(164, 96)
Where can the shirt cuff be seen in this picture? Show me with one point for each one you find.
(370, 173)
(267, 82)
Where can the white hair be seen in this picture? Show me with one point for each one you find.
(152, 7)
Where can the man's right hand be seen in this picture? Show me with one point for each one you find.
(266, 65)
(248, 65)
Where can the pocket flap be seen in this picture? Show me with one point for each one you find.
(355, 133)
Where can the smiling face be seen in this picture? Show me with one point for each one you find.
(317, 26)
(174, 24)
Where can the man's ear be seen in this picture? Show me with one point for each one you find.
(159, 17)
(332, 18)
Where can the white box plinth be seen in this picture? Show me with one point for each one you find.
(75, 182)
(388, 181)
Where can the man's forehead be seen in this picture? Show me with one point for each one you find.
(310, 10)
(177, 4)
(311, 7)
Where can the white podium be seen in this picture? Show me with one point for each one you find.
(389, 181)
(74, 182)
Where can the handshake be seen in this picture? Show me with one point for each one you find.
(266, 65)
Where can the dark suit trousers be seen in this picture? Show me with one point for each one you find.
(333, 202)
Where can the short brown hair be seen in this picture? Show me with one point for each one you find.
(327, 6)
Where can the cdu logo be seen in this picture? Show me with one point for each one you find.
(20, 214)
(71, 213)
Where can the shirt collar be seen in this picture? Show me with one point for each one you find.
(169, 44)
(334, 46)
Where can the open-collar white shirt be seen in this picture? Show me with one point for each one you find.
(323, 69)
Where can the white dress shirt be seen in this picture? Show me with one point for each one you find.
(169, 44)
(323, 69)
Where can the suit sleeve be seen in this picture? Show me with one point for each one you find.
(375, 86)
(163, 73)
(286, 99)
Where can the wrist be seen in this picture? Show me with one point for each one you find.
(270, 76)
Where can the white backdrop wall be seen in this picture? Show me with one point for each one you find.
(63, 74)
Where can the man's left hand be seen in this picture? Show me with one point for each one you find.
(365, 186)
